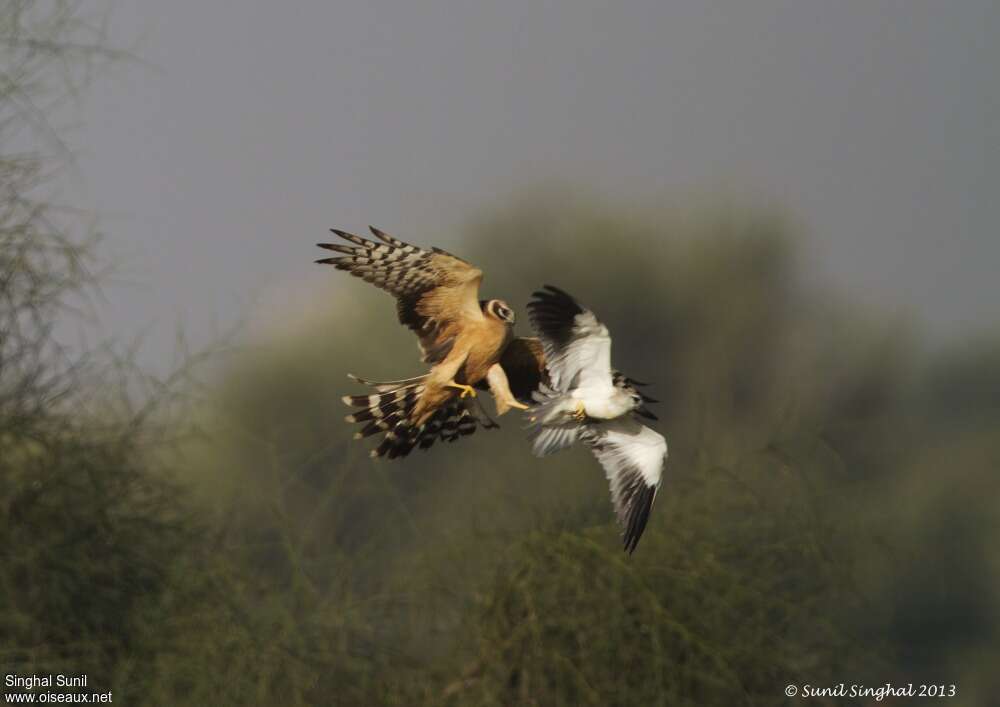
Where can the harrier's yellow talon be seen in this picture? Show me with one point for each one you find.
(580, 413)
(518, 405)
(467, 390)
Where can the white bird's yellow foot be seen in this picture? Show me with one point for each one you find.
(467, 390)
(580, 413)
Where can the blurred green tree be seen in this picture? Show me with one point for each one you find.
(86, 526)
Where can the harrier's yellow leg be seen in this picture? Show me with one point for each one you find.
(467, 390)
(500, 387)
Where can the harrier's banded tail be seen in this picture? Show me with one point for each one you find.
(389, 409)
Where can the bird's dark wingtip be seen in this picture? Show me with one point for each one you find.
(647, 413)
(638, 518)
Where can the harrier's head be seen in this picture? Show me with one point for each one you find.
(498, 309)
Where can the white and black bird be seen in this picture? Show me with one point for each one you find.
(587, 400)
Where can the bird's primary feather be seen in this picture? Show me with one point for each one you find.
(632, 456)
(436, 292)
(577, 345)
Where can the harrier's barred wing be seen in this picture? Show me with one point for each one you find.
(577, 346)
(633, 456)
(434, 289)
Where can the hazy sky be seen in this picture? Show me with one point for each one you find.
(876, 123)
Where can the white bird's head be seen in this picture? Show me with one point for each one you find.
(639, 401)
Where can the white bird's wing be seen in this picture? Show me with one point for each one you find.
(577, 346)
(633, 456)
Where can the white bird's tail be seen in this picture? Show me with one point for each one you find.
(549, 426)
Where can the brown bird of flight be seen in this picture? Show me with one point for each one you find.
(468, 342)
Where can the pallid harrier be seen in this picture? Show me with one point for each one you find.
(586, 399)
(468, 342)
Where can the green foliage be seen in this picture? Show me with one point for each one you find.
(87, 520)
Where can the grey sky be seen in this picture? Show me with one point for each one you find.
(876, 123)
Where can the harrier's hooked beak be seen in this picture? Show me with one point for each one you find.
(645, 412)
